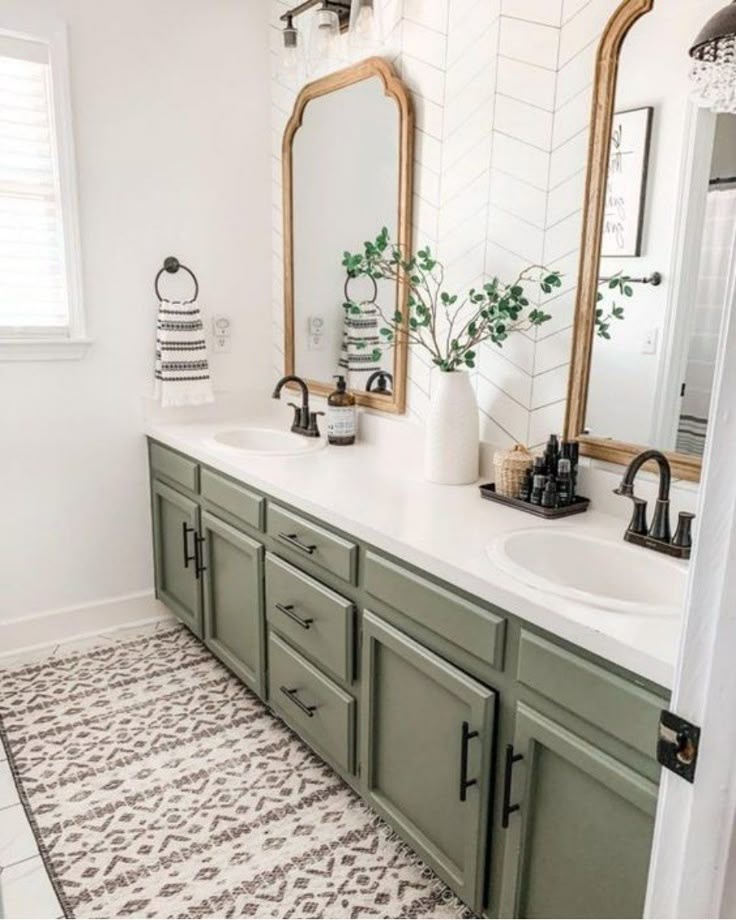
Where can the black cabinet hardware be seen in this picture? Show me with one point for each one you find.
(293, 540)
(199, 555)
(508, 808)
(185, 531)
(677, 745)
(293, 696)
(465, 783)
(288, 611)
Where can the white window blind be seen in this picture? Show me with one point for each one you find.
(34, 297)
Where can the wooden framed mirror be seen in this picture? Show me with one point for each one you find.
(348, 160)
(643, 353)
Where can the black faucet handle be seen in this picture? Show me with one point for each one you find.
(684, 533)
(638, 523)
(313, 424)
(298, 421)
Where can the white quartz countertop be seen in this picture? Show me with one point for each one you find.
(376, 492)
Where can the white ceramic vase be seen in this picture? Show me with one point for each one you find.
(452, 435)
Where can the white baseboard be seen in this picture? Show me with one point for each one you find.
(70, 624)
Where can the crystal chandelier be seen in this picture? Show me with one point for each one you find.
(714, 62)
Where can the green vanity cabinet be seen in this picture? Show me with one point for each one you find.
(233, 599)
(175, 527)
(426, 748)
(578, 843)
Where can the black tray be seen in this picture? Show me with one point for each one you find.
(580, 504)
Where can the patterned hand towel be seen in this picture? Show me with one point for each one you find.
(182, 368)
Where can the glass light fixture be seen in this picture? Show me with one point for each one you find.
(714, 62)
(324, 35)
(291, 54)
(366, 27)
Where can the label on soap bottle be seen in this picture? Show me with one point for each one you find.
(341, 421)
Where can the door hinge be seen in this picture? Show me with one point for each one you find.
(678, 744)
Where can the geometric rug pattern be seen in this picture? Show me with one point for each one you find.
(159, 786)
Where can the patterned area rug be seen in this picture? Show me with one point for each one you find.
(159, 786)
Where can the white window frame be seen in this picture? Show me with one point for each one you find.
(46, 345)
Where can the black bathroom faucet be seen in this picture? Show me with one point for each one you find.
(305, 422)
(659, 536)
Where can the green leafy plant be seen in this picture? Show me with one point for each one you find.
(604, 315)
(449, 327)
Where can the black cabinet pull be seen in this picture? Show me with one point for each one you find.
(293, 540)
(199, 555)
(288, 610)
(185, 531)
(508, 808)
(465, 783)
(292, 695)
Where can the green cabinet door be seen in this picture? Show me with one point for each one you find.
(579, 843)
(175, 522)
(426, 744)
(233, 599)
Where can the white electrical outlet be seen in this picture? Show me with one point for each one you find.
(649, 342)
(316, 330)
(221, 333)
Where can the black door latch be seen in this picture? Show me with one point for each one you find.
(677, 745)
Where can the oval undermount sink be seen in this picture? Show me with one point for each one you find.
(592, 570)
(268, 442)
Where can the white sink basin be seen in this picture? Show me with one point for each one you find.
(594, 571)
(268, 442)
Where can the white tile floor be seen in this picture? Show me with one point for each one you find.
(25, 888)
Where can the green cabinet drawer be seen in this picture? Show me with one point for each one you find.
(621, 708)
(471, 628)
(174, 467)
(311, 703)
(233, 498)
(313, 543)
(316, 620)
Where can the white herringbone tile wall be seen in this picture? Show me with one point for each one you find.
(502, 94)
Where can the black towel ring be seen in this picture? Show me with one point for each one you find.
(346, 289)
(172, 266)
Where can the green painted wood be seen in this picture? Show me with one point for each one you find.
(233, 600)
(618, 706)
(177, 585)
(331, 727)
(579, 845)
(241, 503)
(466, 625)
(328, 634)
(174, 467)
(413, 708)
(331, 552)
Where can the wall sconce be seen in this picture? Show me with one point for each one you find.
(714, 67)
(291, 57)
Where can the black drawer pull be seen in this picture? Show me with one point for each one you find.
(292, 694)
(185, 531)
(508, 808)
(199, 555)
(288, 610)
(465, 783)
(293, 540)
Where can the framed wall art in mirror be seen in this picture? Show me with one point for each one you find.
(348, 157)
(659, 234)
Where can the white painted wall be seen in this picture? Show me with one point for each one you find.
(170, 120)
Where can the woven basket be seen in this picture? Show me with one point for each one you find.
(511, 466)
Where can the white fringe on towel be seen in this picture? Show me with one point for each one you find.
(182, 369)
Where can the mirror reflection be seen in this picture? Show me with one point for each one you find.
(667, 245)
(346, 182)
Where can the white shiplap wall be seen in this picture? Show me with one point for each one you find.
(502, 93)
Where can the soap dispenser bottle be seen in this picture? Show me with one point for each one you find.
(341, 415)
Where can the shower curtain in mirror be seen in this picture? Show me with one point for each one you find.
(719, 235)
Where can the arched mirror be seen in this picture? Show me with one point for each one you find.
(658, 243)
(348, 163)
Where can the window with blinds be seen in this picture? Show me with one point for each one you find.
(34, 297)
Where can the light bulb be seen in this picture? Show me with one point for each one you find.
(365, 24)
(291, 56)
